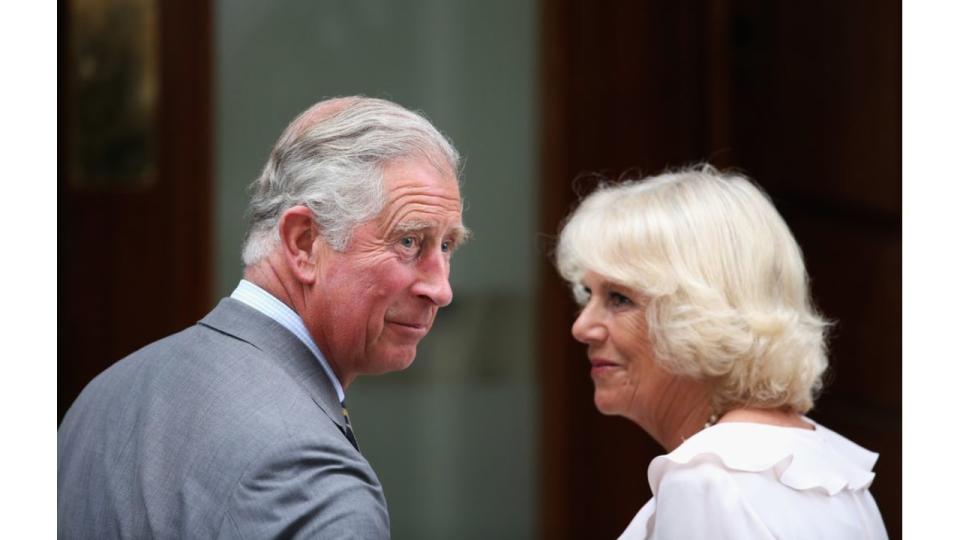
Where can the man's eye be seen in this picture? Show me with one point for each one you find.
(408, 242)
(445, 246)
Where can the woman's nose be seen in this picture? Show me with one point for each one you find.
(588, 328)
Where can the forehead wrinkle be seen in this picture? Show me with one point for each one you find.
(399, 195)
(398, 209)
(424, 214)
(430, 208)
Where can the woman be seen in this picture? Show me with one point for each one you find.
(699, 328)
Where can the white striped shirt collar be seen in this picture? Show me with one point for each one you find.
(264, 302)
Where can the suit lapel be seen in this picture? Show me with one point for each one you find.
(242, 322)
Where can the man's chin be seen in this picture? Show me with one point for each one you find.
(396, 360)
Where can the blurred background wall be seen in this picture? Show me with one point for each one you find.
(453, 437)
(492, 432)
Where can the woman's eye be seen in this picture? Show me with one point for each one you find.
(618, 299)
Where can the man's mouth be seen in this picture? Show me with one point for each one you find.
(411, 328)
(417, 326)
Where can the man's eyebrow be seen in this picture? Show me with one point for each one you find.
(411, 227)
(458, 233)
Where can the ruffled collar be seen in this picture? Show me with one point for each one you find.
(802, 459)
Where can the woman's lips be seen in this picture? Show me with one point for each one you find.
(600, 366)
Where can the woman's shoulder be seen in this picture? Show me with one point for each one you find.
(801, 459)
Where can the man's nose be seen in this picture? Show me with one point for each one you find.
(434, 280)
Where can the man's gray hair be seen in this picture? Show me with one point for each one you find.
(331, 159)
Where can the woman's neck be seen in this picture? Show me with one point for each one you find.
(688, 411)
(682, 410)
(773, 417)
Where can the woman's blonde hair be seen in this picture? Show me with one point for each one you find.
(725, 279)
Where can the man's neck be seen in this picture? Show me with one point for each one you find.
(271, 275)
(265, 301)
(266, 275)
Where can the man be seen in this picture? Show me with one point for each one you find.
(236, 426)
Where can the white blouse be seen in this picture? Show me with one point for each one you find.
(746, 480)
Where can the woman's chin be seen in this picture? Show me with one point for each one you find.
(605, 403)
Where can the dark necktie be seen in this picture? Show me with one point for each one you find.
(348, 431)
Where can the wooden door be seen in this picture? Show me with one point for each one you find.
(805, 98)
(134, 253)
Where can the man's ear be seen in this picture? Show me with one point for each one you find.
(300, 243)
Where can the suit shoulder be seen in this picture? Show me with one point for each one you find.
(309, 487)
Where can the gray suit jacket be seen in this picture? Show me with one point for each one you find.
(228, 429)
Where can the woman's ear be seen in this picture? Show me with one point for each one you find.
(300, 243)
